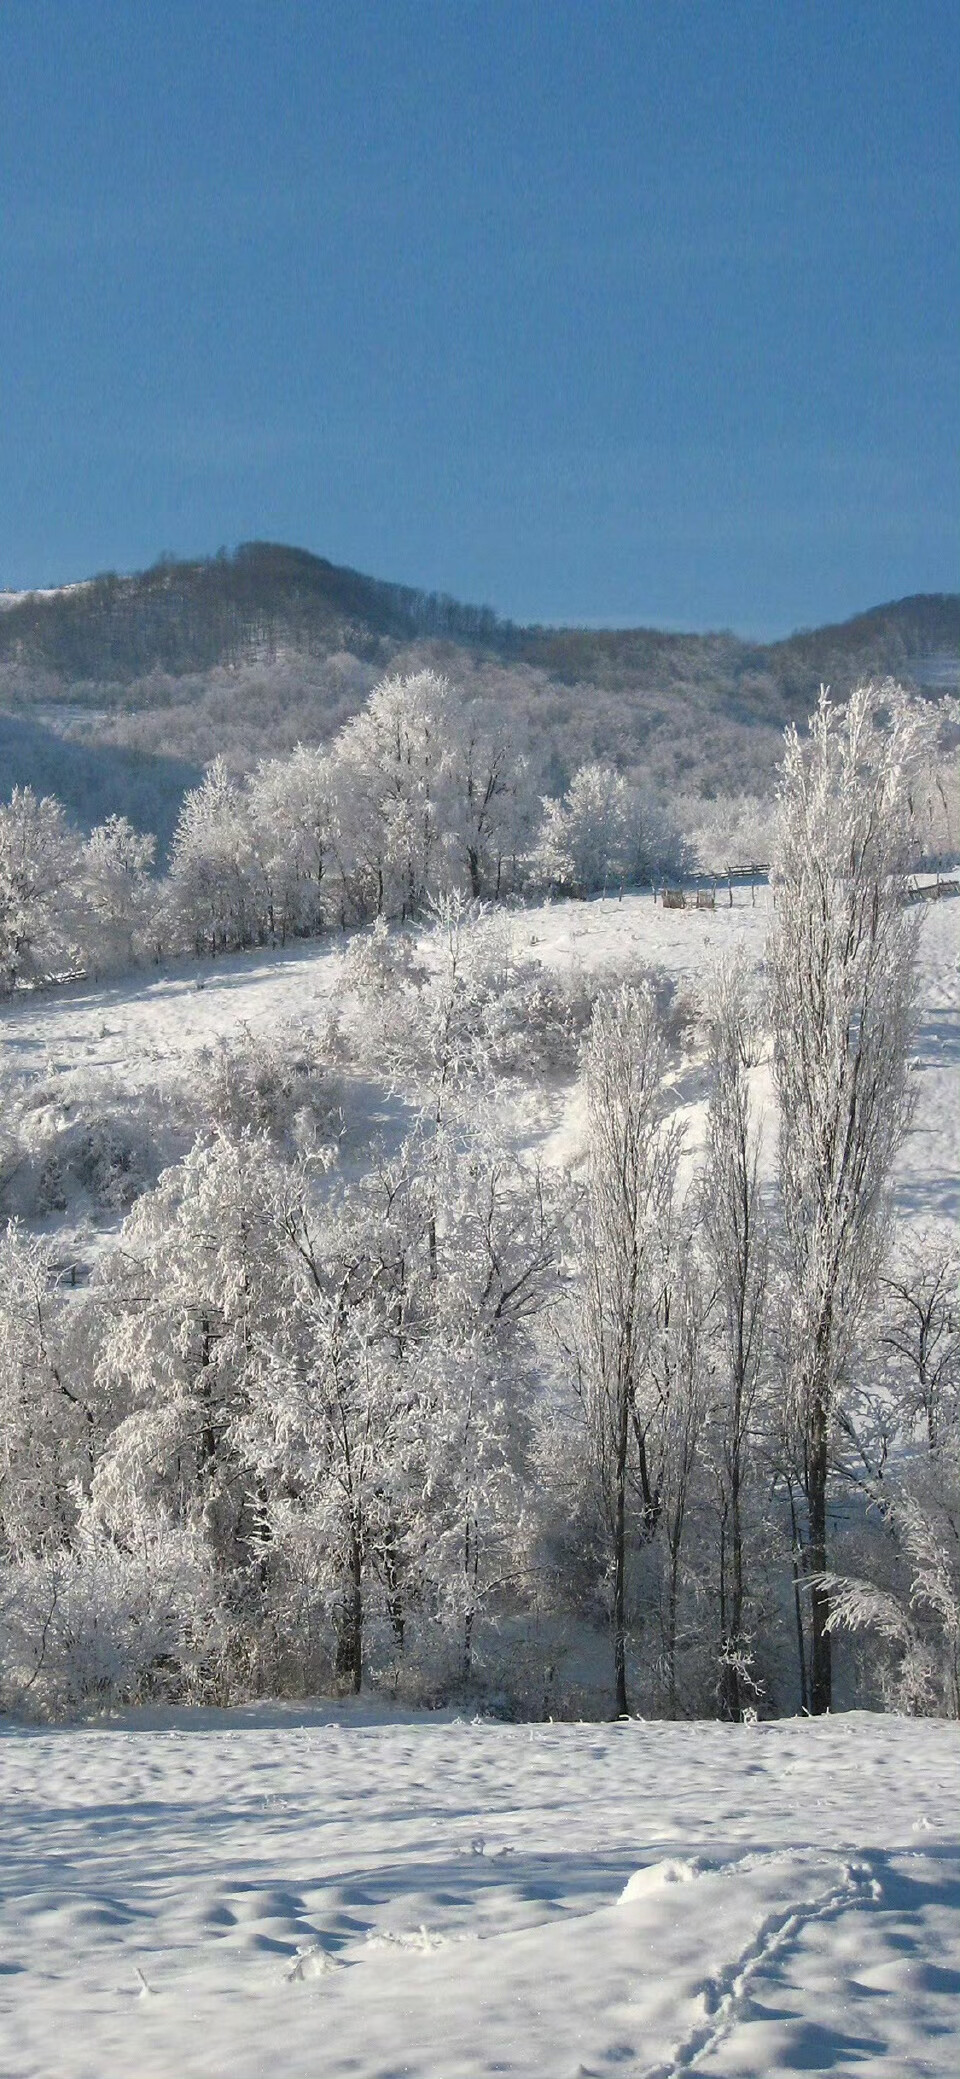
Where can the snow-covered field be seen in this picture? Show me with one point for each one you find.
(310, 1893)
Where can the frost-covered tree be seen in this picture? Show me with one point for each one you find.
(47, 1422)
(583, 837)
(39, 859)
(678, 1371)
(904, 1448)
(194, 1283)
(431, 798)
(393, 778)
(735, 830)
(604, 830)
(215, 894)
(384, 1430)
(734, 1229)
(118, 892)
(489, 807)
(338, 1436)
(632, 1153)
(911, 1600)
(842, 958)
(653, 843)
(920, 1330)
(293, 835)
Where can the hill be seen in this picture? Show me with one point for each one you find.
(248, 653)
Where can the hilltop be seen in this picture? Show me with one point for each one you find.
(248, 653)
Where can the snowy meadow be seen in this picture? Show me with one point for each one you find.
(354, 1890)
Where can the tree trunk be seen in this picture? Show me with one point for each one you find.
(620, 1560)
(349, 1660)
(820, 1656)
(731, 1700)
(798, 1607)
(471, 1568)
(672, 1601)
(394, 1588)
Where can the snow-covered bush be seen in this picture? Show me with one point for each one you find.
(277, 1085)
(94, 1623)
(71, 1147)
(462, 1003)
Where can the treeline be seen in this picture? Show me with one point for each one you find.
(916, 638)
(421, 794)
(448, 1423)
(418, 796)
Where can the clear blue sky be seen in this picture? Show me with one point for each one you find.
(612, 310)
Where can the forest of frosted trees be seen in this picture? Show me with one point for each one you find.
(418, 796)
(673, 1436)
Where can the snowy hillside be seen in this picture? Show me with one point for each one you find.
(345, 1892)
(142, 1041)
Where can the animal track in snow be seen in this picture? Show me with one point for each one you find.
(724, 1996)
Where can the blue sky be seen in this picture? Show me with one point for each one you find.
(605, 310)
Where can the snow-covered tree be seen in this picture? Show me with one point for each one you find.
(677, 1370)
(293, 834)
(215, 893)
(604, 830)
(39, 858)
(583, 837)
(393, 777)
(734, 1229)
(632, 1153)
(118, 892)
(842, 960)
(489, 807)
(47, 1421)
(906, 1440)
(182, 1302)
(920, 1330)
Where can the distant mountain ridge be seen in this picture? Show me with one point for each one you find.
(187, 617)
(248, 653)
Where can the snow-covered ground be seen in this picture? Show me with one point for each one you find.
(309, 1893)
